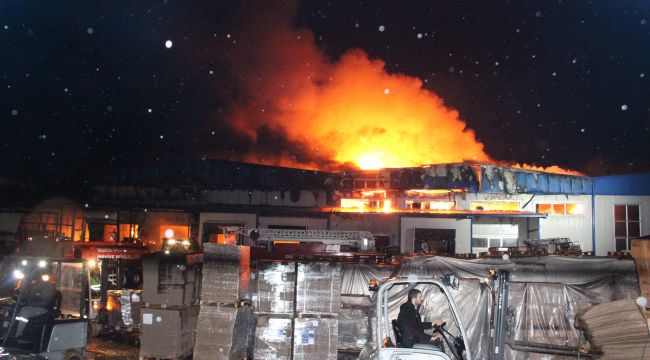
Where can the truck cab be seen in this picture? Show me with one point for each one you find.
(391, 293)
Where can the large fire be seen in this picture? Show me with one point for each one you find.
(303, 110)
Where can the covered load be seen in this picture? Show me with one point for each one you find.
(545, 295)
(226, 273)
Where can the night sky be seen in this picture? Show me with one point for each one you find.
(93, 85)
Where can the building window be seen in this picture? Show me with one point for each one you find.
(627, 225)
(495, 205)
(561, 209)
(483, 243)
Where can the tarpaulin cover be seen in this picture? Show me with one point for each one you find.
(545, 295)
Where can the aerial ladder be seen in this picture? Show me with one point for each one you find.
(292, 244)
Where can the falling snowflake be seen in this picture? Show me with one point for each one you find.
(90, 31)
(554, 74)
(6, 27)
(14, 112)
(386, 91)
(162, 136)
(623, 107)
(644, 21)
(538, 14)
(574, 61)
(109, 108)
(149, 111)
(356, 25)
(642, 75)
(211, 72)
(420, 36)
(382, 28)
(168, 44)
(582, 130)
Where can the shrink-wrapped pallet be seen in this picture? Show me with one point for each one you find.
(353, 328)
(226, 273)
(224, 332)
(168, 333)
(318, 288)
(274, 288)
(273, 337)
(315, 339)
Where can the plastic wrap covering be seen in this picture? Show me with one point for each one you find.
(315, 339)
(273, 337)
(274, 288)
(125, 307)
(353, 328)
(168, 333)
(545, 292)
(226, 273)
(545, 312)
(318, 288)
(224, 332)
(355, 279)
(553, 269)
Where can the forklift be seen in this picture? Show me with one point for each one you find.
(389, 346)
(47, 315)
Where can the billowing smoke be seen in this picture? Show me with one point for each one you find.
(298, 108)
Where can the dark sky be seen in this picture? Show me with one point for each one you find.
(87, 85)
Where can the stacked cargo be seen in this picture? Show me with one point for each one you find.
(641, 254)
(169, 317)
(226, 320)
(273, 297)
(297, 307)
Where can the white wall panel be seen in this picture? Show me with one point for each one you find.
(605, 219)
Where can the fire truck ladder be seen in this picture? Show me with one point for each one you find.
(360, 239)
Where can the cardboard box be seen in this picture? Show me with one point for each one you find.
(318, 288)
(168, 282)
(273, 337)
(224, 332)
(168, 333)
(315, 339)
(274, 285)
(226, 273)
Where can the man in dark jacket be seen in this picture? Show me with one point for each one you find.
(410, 323)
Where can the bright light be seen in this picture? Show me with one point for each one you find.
(18, 274)
(387, 204)
(353, 203)
(45, 277)
(168, 44)
(185, 243)
(171, 242)
(24, 262)
(92, 263)
(42, 263)
(370, 162)
(169, 233)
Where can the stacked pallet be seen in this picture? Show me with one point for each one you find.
(617, 330)
(297, 309)
(169, 316)
(274, 299)
(641, 254)
(226, 320)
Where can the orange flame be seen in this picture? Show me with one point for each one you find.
(303, 110)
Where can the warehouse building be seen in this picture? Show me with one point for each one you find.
(443, 208)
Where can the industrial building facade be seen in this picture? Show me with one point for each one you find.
(443, 209)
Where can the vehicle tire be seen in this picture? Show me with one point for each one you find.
(94, 329)
(73, 355)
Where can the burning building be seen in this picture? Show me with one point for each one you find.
(450, 209)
